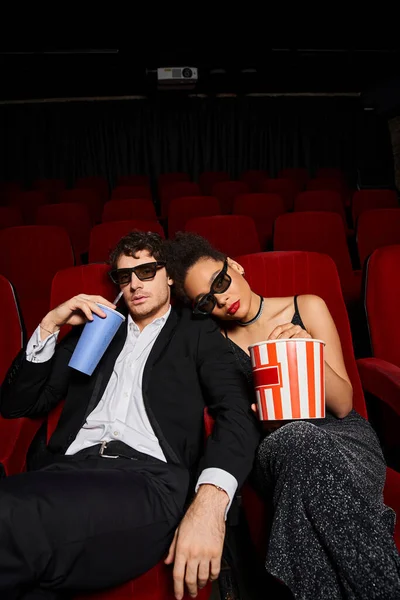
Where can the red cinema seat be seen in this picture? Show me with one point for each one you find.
(329, 173)
(94, 182)
(254, 178)
(126, 209)
(326, 200)
(28, 203)
(104, 237)
(320, 232)
(183, 209)
(50, 186)
(287, 188)
(298, 174)
(129, 192)
(74, 217)
(264, 209)
(10, 216)
(226, 192)
(208, 178)
(377, 228)
(369, 199)
(167, 178)
(90, 197)
(231, 234)
(169, 191)
(29, 257)
(275, 274)
(133, 180)
(16, 435)
(156, 584)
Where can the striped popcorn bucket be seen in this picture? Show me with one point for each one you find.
(289, 379)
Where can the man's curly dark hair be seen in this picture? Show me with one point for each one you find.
(135, 241)
(182, 253)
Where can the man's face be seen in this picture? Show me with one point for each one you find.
(146, 300)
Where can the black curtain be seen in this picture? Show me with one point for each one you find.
(171, 133)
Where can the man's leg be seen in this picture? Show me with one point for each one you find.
(87, 526)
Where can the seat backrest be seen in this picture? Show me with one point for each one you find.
(166, 178)
(231, 234)
(297, 173)
(169, 191)
(253, 178)
(377, 228)
(49, 185)
(326, 183)
(208, 178)
(129, 192)
(29, 257)
(329, 173)
(226, 192)
(325, 200)
(382, 288)
(74, 217)
(287, 188)
(185, 208)
(95, 182)
(28, 203)
(369, 199)
(275, 274)
(11, 339)
(133, 180)
(135, 208)
(104, 237)
(90, 197)
(315, 232)
(264, 208)
(10, 216)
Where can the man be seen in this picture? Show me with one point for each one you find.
(128, 470)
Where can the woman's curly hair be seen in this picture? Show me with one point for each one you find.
(184, 251)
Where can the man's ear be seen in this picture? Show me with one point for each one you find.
(170, 281)
(235, 265)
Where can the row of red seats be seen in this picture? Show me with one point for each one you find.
(304, 273)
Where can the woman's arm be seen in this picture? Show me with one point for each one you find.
(320, 325)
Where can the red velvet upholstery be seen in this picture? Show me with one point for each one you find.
(298, 174)
(329, 173)
(226, 192)
(15, 434)
(166, 178)
(183, 209)
(335, 184)
(253, 178)
(74, 217)
(105, 236)
(326, 200)
(156, 584)
(287, 188)
(208, 178)
(179, 189)
(88, 196)
(377, 228)
(232, 234)
(370, 199)
(10, 216)
(126, 209)
(52, 186)
(133, 180)
(129, 192)
(382, 303)
(264, 209)
(29, 257)
(95, 182)
(277, 274)
(320, 232)
(28, 203)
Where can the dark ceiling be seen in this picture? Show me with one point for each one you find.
(34, 72)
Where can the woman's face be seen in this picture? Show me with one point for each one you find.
(231, 305)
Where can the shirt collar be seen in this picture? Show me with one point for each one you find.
(160, 321)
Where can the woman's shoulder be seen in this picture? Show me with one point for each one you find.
(304, 304)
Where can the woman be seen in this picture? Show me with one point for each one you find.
(331, 535)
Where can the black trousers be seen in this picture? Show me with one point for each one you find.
(86, 523)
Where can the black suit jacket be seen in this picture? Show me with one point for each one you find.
(190, 366)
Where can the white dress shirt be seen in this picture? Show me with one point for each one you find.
(121, 414)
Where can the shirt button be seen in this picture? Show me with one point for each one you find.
(116, 433)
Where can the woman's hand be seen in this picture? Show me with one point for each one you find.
(289, 331)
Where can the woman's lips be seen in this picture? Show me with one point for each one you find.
(234, 307)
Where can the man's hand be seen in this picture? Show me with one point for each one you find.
(75, 311)
(196, 549)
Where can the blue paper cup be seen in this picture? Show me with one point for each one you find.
(95, 339)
